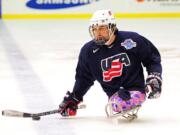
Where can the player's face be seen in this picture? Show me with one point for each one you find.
(101, 32)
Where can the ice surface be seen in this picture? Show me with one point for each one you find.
(37, 66)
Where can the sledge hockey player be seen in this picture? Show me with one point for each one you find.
(115, 59)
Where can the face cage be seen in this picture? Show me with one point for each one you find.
(111, 29)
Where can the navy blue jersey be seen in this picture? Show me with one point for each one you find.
(118, 65)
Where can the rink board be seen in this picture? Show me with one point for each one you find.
(83, 9)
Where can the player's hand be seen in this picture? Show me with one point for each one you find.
(153, 85)
(69, 105)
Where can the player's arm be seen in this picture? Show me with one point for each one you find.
(84, 80)
(151, 59)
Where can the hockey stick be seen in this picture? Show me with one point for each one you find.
(34, 116)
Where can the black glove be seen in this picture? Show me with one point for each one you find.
(153, 85)
(69, 105)
(124, 94)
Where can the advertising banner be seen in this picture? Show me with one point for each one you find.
(84, 8)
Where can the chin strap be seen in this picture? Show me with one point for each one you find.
(110, 37)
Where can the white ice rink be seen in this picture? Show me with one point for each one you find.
(37, 66)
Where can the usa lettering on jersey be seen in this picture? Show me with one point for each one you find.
(113, 66)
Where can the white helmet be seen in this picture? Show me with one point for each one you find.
(99, 18)
(102, 17)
